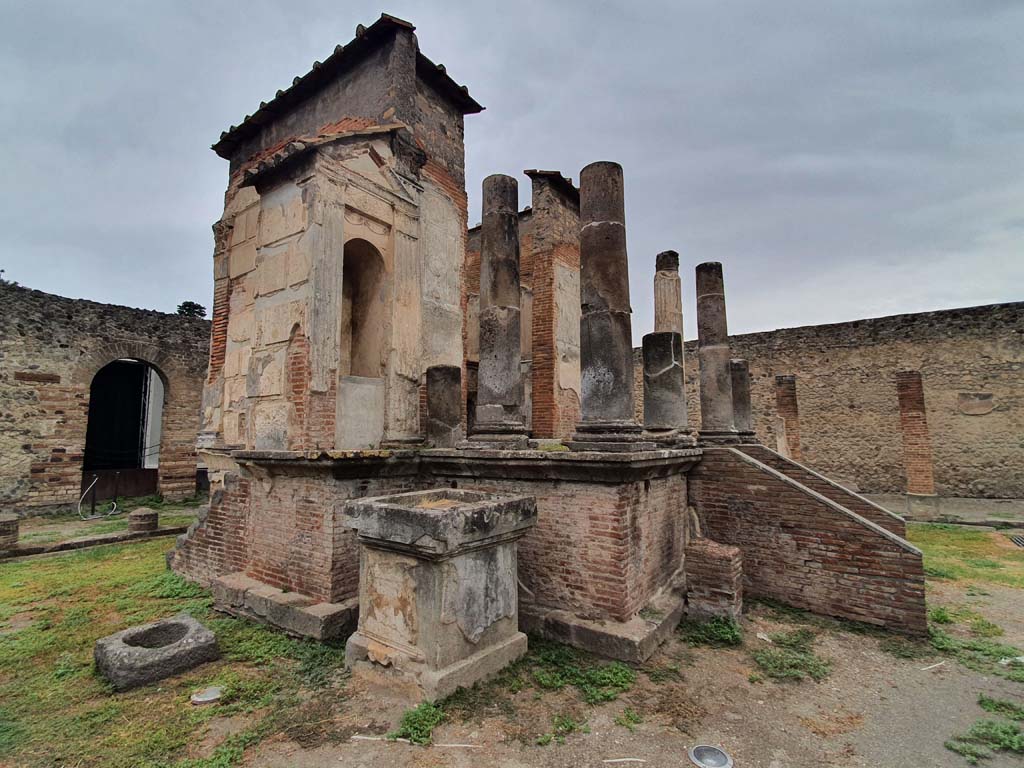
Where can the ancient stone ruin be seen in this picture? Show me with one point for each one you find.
(366, 348)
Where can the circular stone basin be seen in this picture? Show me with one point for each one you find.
(159, 636)
(709, 757)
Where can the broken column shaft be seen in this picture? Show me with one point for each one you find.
(716, 411)
(668, 294)
(742, 414)
(664, 393)
(607, 421)
(499, 380)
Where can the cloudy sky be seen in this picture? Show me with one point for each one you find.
(842, 159)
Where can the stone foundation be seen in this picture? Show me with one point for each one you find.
(608, 540)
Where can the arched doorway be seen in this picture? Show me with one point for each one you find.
(124, 430)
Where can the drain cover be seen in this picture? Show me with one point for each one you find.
(207, 695)
(1018, 540)
(709, 757)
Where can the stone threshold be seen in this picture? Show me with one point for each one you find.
(93, 541)
(295, 613)
(633, 641)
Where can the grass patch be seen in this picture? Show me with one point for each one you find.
(985, 738)
(960, 554)
(792, 657)
(418, 724)
(980, 654)
(664, 674)
(718, 632)
(55, 711)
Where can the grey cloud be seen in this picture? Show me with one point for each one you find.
(842, 160)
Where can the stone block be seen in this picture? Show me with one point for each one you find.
(438, 591)
(143, 520)
(360, 418)
(272, 274)
(275, 320)
(282, 213)
(270, 426)
(142, 655)
(242, 259)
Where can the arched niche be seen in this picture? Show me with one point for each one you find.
(364, 311)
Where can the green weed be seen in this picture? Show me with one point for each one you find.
(1007, 709)
(792, 657)
(940, 615)
(418, 724)
(718, 632)
(555, 666)
(986, 737)
(629, 718)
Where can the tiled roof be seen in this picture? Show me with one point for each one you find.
(344, 57)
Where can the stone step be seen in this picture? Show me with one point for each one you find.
(295, 613)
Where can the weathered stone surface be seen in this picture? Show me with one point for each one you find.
(441, 521)
(713, 353)
(295, 613)
(668, 294)
(151, 652)
(438, 590)
(499, 380)
(664, 394)
(739, 372)
(606, 352)
(634, 640)
(444, 405)
(360, 418)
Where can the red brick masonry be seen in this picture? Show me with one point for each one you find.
(805, 550)
(714, 579)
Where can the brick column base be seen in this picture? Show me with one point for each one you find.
(714, 579)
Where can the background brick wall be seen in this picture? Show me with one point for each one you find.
(849, 408)
(801, 550)
(50, 349)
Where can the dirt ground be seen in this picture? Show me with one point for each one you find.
(872, 710)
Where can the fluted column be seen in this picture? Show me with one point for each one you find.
(499, 395)
(668, 294)
(716, 411)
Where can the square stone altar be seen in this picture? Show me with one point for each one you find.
(438, 587)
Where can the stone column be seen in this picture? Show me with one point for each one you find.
(716, 413)
(668, 294)
(742, 412)
(444, 405)
(499, 395)
(664, 393)
(607, 421)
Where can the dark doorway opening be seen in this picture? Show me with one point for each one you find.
(122, 440)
